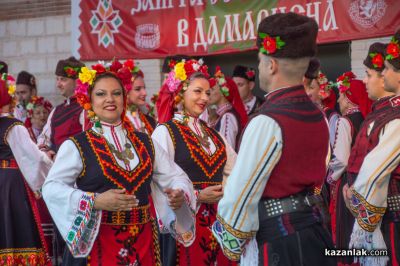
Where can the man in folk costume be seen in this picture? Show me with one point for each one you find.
(374, 197)
(25, 89)
(68, 118)
(245, 78)
(267, 212)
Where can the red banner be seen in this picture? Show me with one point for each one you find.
(157, 28)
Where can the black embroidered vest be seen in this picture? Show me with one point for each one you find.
(101, 172)
(202, 169)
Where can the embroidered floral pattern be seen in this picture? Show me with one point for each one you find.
(81, 235)
(23, 256)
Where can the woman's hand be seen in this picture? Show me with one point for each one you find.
(211, 194)
(176, 198)
(115, 200)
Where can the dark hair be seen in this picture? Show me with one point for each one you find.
(197, 75)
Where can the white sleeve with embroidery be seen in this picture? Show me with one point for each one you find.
(341, 150)
(237, 218)
(44, 137)
(180, 223)
(229, 128)
(71, 209)
(33, 163)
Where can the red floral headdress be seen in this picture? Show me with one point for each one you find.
(178, 79)
(270, 44)
(324, 86)
(343, 82)
(87, 76)
(219, 78)
(38, 101)
(7, 89)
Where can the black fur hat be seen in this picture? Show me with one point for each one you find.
(244, 72)
(69, 67)
(392, 53)
(26, 78)
(287, 35)
(376, 56)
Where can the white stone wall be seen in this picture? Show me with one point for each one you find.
(359, 50)
(36, 45)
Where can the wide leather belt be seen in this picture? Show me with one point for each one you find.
(393, 203)
(293, 203)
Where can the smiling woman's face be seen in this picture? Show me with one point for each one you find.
(196, 96)
(107, 100)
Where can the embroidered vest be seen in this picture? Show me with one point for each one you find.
(6, 123)
(65, 122)
(101, 172)
(383, 111)
(305, 134)
(202, 169)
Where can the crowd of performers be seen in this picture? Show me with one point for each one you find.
(211, 174)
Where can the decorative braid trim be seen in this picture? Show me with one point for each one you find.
(8, 130)
(368, 215)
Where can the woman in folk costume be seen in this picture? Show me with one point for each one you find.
(137, 100)
(38, 110)
(374, 197)
(23, 168)
(354, 106)
(99, 188)
(231, 116)
(199, 150)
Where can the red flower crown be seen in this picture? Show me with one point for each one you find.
(343, 82)
(38, 101)
(86, 77)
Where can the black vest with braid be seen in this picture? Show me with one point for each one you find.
(203, 170)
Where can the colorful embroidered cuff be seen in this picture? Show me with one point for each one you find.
(83, 232)
(232, 241)
(368, 216)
